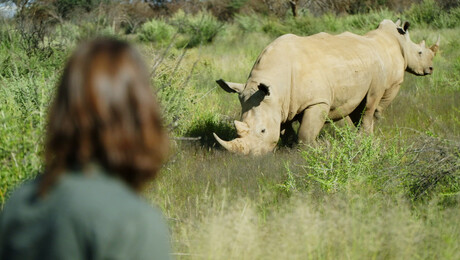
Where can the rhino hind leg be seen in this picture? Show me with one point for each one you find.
(357, 114)
(313, 121)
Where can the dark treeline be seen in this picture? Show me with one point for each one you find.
(222, 9)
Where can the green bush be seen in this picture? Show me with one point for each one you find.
(197, 29)
(428, 167)
(367, 22)
(204, 125)
(345, 160)
(23, 107)
(425, 13)
(156, 31)
(448, 19)
(307, 24)
(67, 8)
(249, 23)
(90, 30)
(67, 33)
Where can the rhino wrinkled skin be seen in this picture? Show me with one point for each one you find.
(322, 76)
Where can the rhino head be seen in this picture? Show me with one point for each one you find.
(419, 57)
(259, 128)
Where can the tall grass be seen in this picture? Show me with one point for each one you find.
(349, 199)
(346, 227)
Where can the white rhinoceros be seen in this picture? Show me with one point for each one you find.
(322, 76)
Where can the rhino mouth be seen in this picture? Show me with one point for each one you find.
(411, 71)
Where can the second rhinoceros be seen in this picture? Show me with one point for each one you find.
(322, 76)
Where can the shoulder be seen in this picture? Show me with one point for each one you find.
(98, 194)
(97, 214)
(113, 216)
(24, 194)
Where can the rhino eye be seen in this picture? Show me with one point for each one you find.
(263, 131)
(420, 52)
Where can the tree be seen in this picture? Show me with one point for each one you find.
(293, 4)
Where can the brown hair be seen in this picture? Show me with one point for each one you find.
(105, 112)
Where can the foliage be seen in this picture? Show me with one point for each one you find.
(65, 8)
(204, 125)
(431, 13)
(425, 13)
(249, 23)
(345, 159)
(156, 31)
(391, 195)
(427, 167)
(197, 29)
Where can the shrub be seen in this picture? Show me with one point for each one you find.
(275, 28)
(430, 13)
(204, 125)
(346, 160)
(89, 30)
(66, 8)
(67, 33)
(157, 31)
(448, 19)
(369, 21)
(424, 168)
(197, 29)
(249, 23)
(225, 9)
(425, 13)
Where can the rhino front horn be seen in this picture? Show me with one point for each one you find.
(234, 146)
(225, 144)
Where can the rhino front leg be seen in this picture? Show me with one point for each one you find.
(345, 122)
(369, 111)
(313, 120)
(288, 134)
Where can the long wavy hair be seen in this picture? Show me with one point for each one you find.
(104, 112)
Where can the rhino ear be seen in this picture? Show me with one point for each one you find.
(422, 43)
(230, 87)
(406, 26)
(398, 22)
(401, 31)
(264, 88)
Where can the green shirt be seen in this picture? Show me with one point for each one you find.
(91, 216)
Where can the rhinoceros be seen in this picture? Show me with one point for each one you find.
(313, 78)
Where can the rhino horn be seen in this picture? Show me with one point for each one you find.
(435, 46)
(242, 128)
(234, 146)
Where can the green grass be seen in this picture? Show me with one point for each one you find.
(392, 195)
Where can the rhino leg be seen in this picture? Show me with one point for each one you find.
(357, 114)
(288, 136)
(345, 122)
(367, 124)
(313, 121)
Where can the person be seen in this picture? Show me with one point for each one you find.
(104, 142)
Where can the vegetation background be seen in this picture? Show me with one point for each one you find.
(392, 195)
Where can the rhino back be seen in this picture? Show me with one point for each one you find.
(337, 70)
